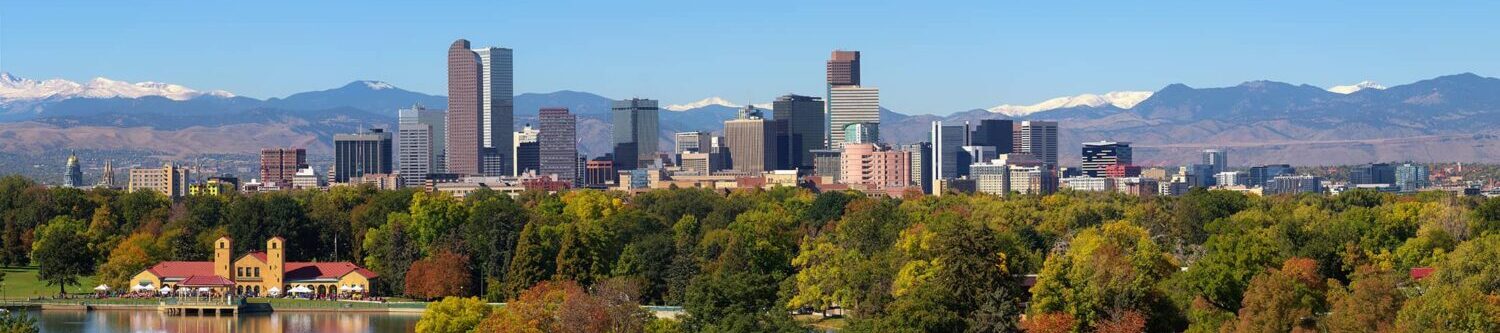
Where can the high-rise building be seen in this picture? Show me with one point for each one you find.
(308, 179)
(695, 141)
(1215, 158)
(862, 133)
(947, 146)
(803, 116)
(358, 154)
(1231, 178)
(849, 105)
(1412, 177)
(497, 97)
(419, 137)
(169, 180)
(750, 149)
(1288, 184)
(278, 165)
(1099, 155)
(73, 177)
(700, 164)
(599, 172)
(465, 123)
(973, 155)
(1038, 138)
(874, 166)
(921, 165)
(559, 143)
(998, 133)
(1261, 175)
(826, 163)
(843, 68)
(635, 132)
(526, 150)
(1032, 180)
(1375, 173)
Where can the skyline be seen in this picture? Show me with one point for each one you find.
(920, 56)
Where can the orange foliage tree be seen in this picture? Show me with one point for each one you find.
(442, 274)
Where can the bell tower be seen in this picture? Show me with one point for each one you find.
(222, 248)
(275, 263)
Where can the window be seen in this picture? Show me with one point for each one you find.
(257, 272)
(239, 271)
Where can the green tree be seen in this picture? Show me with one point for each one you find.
(62, 251)
(1105, 270)
(534, 261)
(390, 251)
(435, 220)
(453, 315)
(491, 234)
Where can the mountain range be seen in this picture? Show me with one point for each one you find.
(1448, 118)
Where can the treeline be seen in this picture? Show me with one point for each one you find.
(1209, 261)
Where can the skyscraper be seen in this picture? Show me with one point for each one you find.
(947, 145)
(358, 154)
(998, 133)
(278, 165)
(1375, 173)
(921, 165)
(526, 150)
(862, 133)
(1412, 177)
(1215, 159)
(1038, 138)
(420, 143)
(1099, 155)
(73, 177)
(559, 144)
(480, 107)
(750, 149)
(804, 120)
(848, 101)
(695, 141)
(635, 132)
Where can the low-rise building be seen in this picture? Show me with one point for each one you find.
(256, 273)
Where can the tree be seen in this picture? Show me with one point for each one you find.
(1444, 308)
(1283, 300)
(442, 274)
(534, 261)
(1105, 270)
(62, 251)
(389, 251)
(490, 235)
(1369, 304)
(131, 256)
(564, 307)
(435, 220)
(453, 315)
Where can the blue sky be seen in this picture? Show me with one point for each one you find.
(926, 56)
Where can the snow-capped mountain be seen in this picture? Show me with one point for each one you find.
(1120, 99)
(1362, 85)
(716, 100)
(14, 88)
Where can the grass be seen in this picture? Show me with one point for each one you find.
(22, 283)
(819, 322)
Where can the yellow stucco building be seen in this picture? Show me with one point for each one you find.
(255, 273)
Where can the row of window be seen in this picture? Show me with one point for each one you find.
(247, 272)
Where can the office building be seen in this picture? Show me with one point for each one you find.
(1038, 138)
(635, 132)
(1412, 177)
(804, 120)
(921, 165)
(862, 133)
(307, 179)
(277, 165)
(1376, 173)
(1261, 175)
(750, 150)
(849, 105)
(599, 172)
(1032, 180)
(1288, 184)
(843, 68)
(1098, 155)
(558, 144)
(700, 164)
(826, 163)
(169, 180)
(1088, 184)
(1215, 159)
(998, 133)
(1202, 175)
(359, 154)
(1232, 178)
(947, 147)
(689, 142)
(526, 150)
(420, 138)
(465, 123)
(73, 174)
(497, 100)
(874, 167)
(974, 155)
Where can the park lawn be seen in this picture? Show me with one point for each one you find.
(820, 323)
(22, 283)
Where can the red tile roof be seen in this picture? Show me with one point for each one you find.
(323, 270)
(1418, 273)
(258, 255)
(205, 281)
(182, 269)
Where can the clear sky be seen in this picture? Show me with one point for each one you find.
(926, 56)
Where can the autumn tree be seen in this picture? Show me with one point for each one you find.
(442, 274)
(1105, 270)
(1283, 300)
(453, 315)
(1368, 304)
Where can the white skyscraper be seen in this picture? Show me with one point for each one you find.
(849, 105)
(497, 99)
(419, 147)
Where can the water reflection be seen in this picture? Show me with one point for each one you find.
(277, 322)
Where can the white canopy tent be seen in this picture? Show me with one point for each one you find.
(273, 291)
(102, 288)
(204, 289)
(299, 290)
(141, 287)
(166, 290)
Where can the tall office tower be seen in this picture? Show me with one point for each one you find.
(1099, 155)
(1262, 175)
(875, 166)
(998, 133)
(559, 143)
(848, 105)
(862, 133)
(750, 151)
(278, 165)
(947, 144)
(804, 127)
(1038, 138)
(497, 98)
(419, 151)
(465, 124)
(358, 154)
(73, 176)
(691, 142)
(843, 68)
(525, 150)
(169, 180)
(635, 124)
(921, 165)
(1412, 177)
(1376, 173)
(107, 177)
(1215, 159)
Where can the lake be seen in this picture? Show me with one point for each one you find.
(65, 321)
